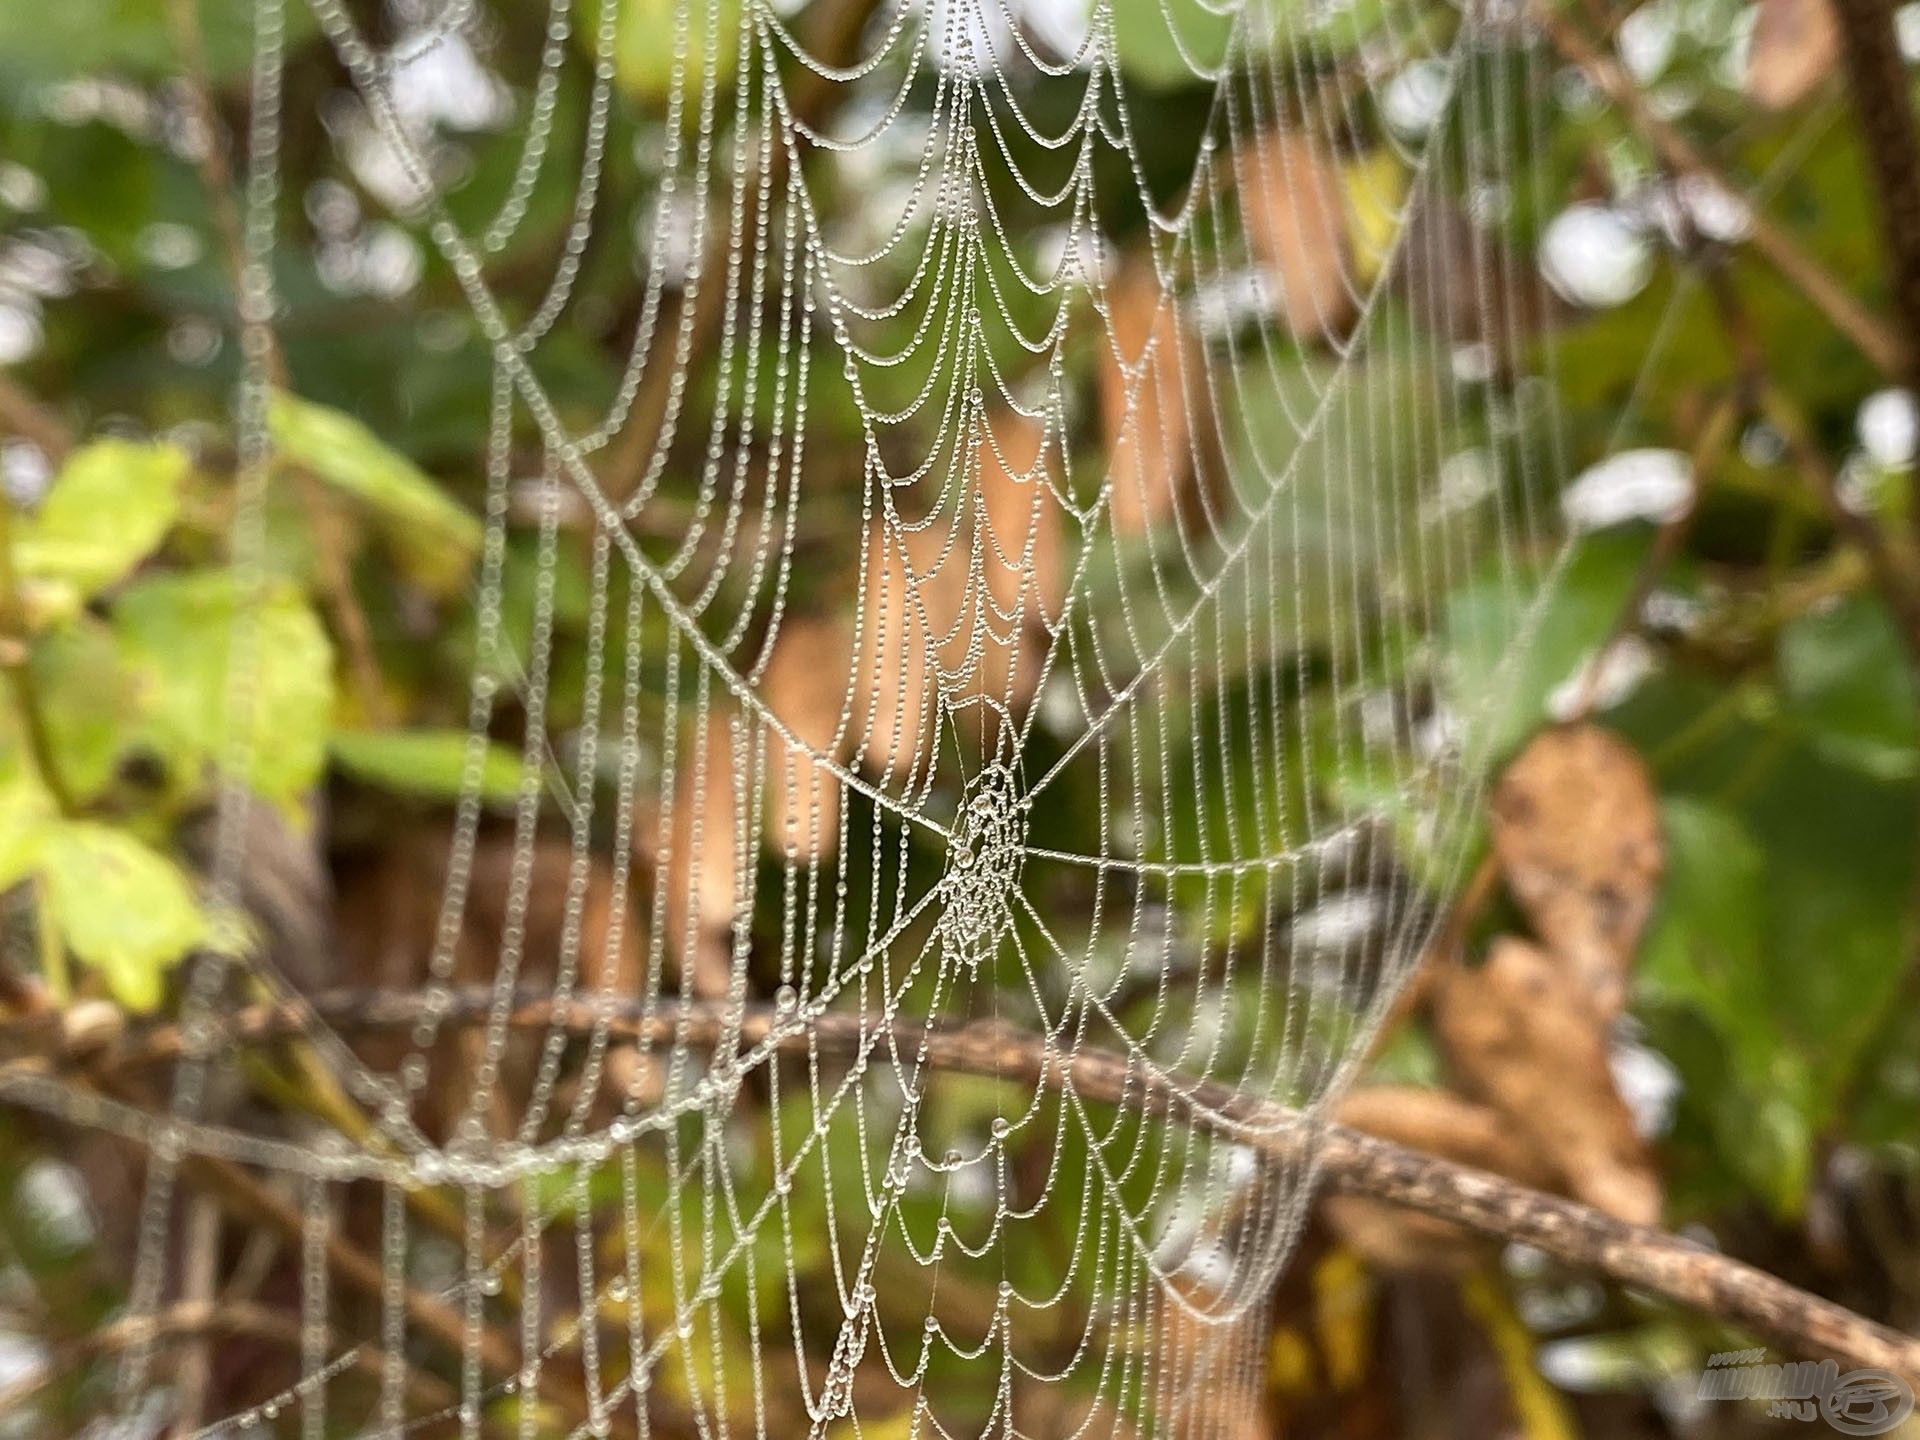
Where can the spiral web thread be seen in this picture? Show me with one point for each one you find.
(729, 1182)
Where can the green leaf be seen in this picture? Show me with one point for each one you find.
(1705, 947)
(58, 42)
(175, 632)
(1844, 675)
(1784, 928)
(644, 44)
(122, 907)
(110, 506)
(433, 539)
(26, 815)
(1160, 44)
(424, 762)
(1503, 660)
(1706, 952)
(89, 701)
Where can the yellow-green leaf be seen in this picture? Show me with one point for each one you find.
(1376, 188)
(433, 539)
(176, 632)
(122, 907)
(109, 507)
(26, 814)
(644, 42)
(89, 702)
(424, 762)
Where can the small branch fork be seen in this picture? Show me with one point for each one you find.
(1879, 84)
(1885, 346)
(1675, 1269)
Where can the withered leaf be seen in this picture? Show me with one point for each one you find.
(1434, 1122)
(805, 684)
(704, 870)
(1150, 459)
(960, 599)
(894, 679)
(1576, 828)
(1292, 202)
(1794, 47)
(1520, 1035)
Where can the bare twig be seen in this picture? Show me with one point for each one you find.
(16, 661)
(353, 1268)
(1665, 1265)
(1893, 572)
(198, 1322)
(1879, 86)
(1708, 451)
(199, 1269)
(24, 414)
(1888, 350)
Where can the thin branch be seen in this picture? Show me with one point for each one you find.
(1888, 350)
(351, 1266)
(1665, 1265)
(16, 659)
(25, 415)
(1892, 572)
(1881, 86)
(199, 1279)
(1709, 450)
(1878, 83)
(197, 1322)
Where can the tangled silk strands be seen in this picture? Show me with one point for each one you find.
(1122, 720)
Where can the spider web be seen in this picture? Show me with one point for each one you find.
(967, 918)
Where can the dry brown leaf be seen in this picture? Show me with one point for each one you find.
(1149, 448)
(1795, 46)
(1020, 518)
(1292, 203)
(1521, 1035)
(805, 685)
(1217, 1385)
(703, 869)
(1576, 828)
(988, 571)
(1434, 1122)
(894, 679)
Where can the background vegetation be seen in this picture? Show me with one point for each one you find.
(1745, 456)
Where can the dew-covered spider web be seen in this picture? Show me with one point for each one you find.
(1053, 584)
